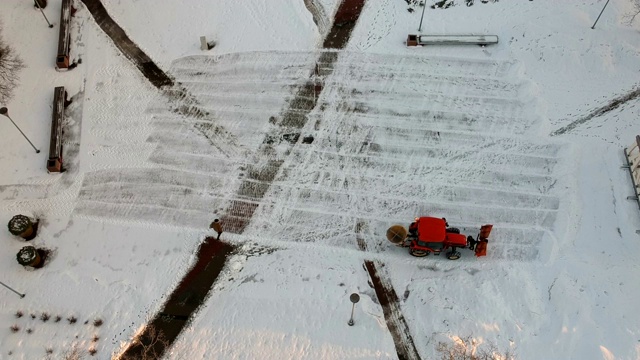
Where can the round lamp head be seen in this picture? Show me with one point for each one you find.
(354, 298)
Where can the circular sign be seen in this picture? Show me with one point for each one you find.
(354, 298)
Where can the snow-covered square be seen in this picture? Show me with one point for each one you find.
(309, 128)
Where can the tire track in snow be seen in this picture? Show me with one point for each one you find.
(486, 171)
(345, 145)
(612, 105)
(410, 170)
(335, 231)
(319, 17)
(173, 143)
(373, 65)
(187, 105)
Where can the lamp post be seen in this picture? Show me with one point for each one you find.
(605, 5)
(37, 2)
(424, 6)
(4, 111)
(8, 287)
(354, 299)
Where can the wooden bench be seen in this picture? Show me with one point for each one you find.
(415, 40)
(54, 163)
(64, 40)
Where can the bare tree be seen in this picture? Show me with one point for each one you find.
(467, 348)
(10, 65)
(146, 347)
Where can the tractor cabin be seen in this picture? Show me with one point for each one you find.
(433, 236)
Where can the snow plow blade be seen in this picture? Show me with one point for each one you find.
(483, 240)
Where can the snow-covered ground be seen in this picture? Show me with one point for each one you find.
(460, 132)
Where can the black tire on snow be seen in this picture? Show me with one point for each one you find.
(453, 230)
(418, 253)
(453, 255)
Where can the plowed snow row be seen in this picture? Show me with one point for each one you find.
(395, 137)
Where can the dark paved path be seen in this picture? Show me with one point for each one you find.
(343, 23)
(388, 299)
(128, 48)
(184, 301)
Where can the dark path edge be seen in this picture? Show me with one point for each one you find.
(120, 39)
(389, 301)
(612, 105)
(183, 302)
(396, 323)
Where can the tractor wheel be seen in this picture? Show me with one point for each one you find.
(418, 253)
(453, 231)
(453, 255)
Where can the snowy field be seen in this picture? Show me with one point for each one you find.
(476, 135)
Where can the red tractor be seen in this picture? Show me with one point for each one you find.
(433, 235)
